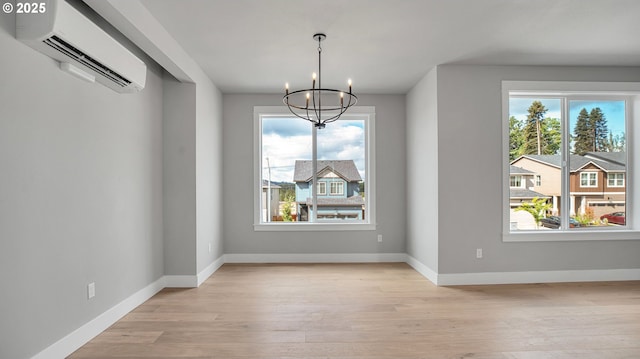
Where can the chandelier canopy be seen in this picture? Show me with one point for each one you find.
(316, 104)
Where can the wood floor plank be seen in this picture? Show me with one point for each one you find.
(372, 311)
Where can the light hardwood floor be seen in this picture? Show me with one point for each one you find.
(374, 311)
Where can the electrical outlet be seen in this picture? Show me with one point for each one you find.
(479, 253)
(91, 290)
(379, 238)
(209, 247)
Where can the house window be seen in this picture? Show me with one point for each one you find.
(615, 179)
(337, 188)
(573, 133)
(588, 179)
(322, 188)
(515, 181)
(343, 157)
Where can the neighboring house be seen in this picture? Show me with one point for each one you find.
(521, 184)
(597, 180)
(275, 201)
(338, 190)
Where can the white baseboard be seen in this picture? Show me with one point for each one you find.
(180, 281)
(212, 268)
(423, 269)
(193, 281)
(539, 277)
(70, 343)
(315, 258)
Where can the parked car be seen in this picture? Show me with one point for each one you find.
(615, 218)
(554, 222)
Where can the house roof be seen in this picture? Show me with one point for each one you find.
(614, 157)
(339, 202)
(343, 168)
(525, 193)
(577, 162)
(515, 170)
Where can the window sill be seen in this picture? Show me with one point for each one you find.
(572, 236)
(319, 227)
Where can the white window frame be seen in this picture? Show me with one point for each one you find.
(538, 180)
(615, 179)
(515, 181)
(627, 90)
(368, 224)
(339, 185)
(589, 176)
(322, 188)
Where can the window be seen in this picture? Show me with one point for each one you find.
(344, 156)
(337, 188)
(572, 133)
(615, 179)
(322, 188)
(515, 181)
(588, 179)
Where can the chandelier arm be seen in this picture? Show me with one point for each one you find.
(319, 109)
(316, 109)
(335, 117)
(302, 117)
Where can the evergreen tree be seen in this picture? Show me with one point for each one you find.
(516, 138)
(551, 136)
(532, 132)
(622, 142)
(616, 143)
(598, 123)
(583, 134)
(591, 133)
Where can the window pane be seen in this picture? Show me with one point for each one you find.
(535, 148)
(284, 141)
(598, 146)
(342, 164)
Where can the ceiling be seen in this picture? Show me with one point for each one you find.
(387, 46)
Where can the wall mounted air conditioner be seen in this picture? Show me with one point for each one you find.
(65, 34)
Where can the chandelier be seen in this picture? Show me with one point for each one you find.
(319, 105)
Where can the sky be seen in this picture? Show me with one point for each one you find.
(287, 139)
(614, 111)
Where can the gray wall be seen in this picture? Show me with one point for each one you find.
(238, 150)
(470, 176)
(208, 173)
(179, 176)
(80, 196)
(422, 171)
(192, 147)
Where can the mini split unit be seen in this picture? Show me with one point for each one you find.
(82, 48)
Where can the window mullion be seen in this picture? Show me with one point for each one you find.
(565, 187)
(314, 185)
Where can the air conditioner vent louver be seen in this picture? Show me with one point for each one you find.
(62, 46)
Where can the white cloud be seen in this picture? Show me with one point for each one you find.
(340, 140)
